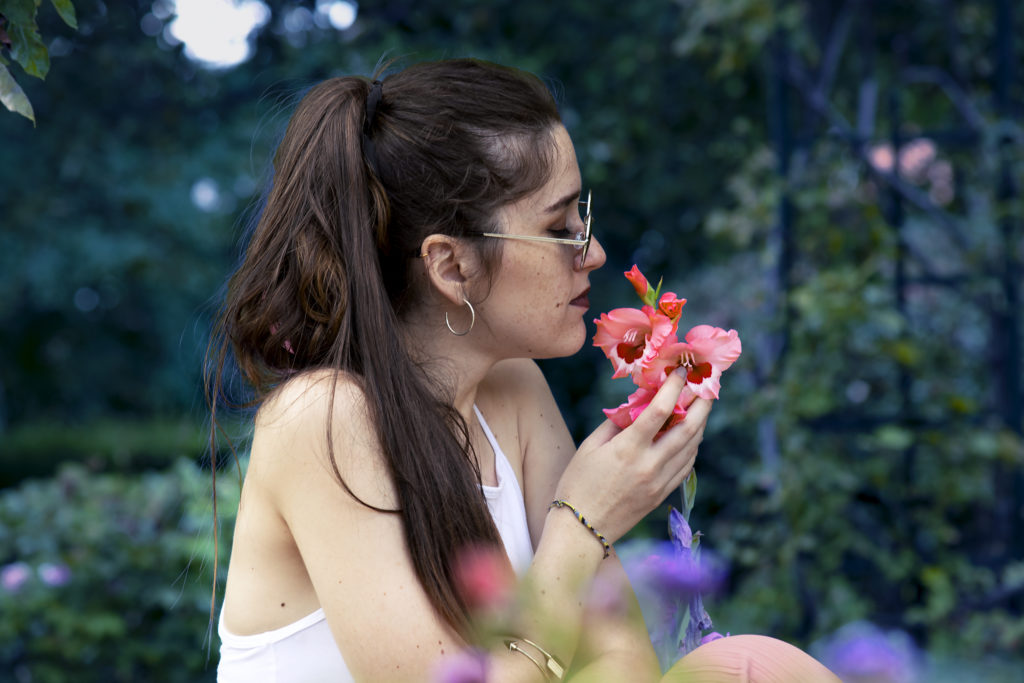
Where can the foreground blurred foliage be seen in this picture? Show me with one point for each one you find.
(865, 461)
(134, 601)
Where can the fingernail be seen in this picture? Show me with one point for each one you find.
(680, 372)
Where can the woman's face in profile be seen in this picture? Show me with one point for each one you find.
(538, 300)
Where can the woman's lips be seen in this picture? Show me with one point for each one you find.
(582, 300)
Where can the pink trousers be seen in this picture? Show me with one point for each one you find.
(748, 659)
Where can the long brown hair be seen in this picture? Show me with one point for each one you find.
(328, 272)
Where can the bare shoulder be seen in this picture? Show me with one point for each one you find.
(546, 445)
(520, 382)
(317, 426)
(516, 378)
(517, 391)
(308, 396)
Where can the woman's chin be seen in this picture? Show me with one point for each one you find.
(568, 345)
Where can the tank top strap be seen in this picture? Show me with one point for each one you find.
(502, 467)
(507, 505)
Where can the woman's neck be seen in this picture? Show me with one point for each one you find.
(455, 364)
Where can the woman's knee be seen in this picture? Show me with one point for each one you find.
(750, 659)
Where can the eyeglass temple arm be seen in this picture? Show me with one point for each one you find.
(531, 238)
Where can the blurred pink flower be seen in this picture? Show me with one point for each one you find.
(463, 667)
(54, 574)
(484, 577)
(881, 157)
(605, 596)
(13, 576)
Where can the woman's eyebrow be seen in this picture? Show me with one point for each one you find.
(563, 202)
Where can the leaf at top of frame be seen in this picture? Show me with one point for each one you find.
(66, 11)
(28, 49)
(13, 97)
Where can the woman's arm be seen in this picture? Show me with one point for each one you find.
(614, 642)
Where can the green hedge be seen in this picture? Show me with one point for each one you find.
(109, 576)
(38, 449)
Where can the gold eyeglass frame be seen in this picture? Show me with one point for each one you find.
(581, 243)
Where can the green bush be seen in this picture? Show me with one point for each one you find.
(109, 576)
(38, 448)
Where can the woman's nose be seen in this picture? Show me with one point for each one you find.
(595, 255)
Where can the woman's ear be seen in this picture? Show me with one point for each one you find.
(450, 265)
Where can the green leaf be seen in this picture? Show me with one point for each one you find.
(28, 49)
(66, 11)
(894, 437)
(689, 494)
(13, 96)
(19, 12)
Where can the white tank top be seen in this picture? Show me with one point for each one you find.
(305, 652)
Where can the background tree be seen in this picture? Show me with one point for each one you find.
(838, 180)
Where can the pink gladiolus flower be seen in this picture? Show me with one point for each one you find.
(707, 352)
(710, 351)
(642, 343)
(639, 282)
(671, 306)
(626, 414)
(630, 337)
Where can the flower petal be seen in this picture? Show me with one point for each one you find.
(670, 305)
(639, 282)
(629, 336)
(714, 345)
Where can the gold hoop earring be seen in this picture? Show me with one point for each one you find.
(472, 320)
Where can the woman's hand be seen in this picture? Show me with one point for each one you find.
(618, 476)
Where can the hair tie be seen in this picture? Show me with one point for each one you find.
(372, 100)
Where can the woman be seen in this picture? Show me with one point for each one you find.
(421, 244)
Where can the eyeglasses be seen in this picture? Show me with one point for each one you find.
(581, 241)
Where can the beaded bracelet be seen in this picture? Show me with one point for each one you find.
(566, 504)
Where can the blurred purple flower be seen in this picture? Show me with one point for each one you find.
(679, 574)
(714, 635)
(679, 530)
(863, 652)
(605, 596)
(14, 575)
(54, 574)
(463, 667)
(698, 622)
